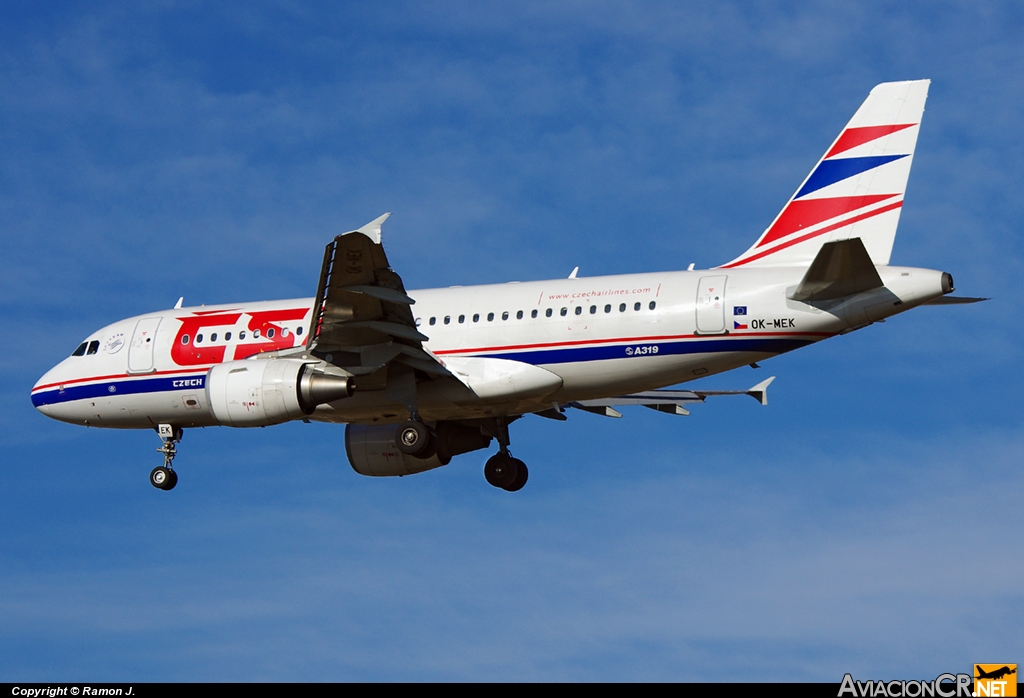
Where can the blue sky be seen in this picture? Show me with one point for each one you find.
(867, 520)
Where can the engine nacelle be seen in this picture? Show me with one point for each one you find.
(371, 449)
(261, 392)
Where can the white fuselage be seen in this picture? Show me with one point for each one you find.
(601, 336)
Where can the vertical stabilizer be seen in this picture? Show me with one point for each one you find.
(856, 190)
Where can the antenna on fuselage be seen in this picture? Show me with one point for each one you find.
(180, 301)
(573, 274)
(690, 268)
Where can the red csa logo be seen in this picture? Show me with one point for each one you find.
(265, 322)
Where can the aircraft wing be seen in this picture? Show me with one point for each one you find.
(670, 401)
(362, 319)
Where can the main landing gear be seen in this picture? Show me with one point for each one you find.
(506, 472)
(163, 477)
(502, 470)
(416, 439)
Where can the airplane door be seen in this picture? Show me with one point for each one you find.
(711, 305)
(141, 350)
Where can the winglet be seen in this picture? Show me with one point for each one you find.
(372, 229)
(760, 391)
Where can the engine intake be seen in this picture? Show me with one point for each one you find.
(258, 393)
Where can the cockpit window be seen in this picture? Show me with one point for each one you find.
(94, 346)
(80, 351)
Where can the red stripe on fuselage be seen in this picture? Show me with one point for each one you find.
(204, 369)
(627, 340)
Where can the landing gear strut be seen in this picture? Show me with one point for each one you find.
(502, 470)
(163, 477)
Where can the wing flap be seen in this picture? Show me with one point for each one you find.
(669, 401)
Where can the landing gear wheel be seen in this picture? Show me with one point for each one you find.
(163, 478)
(502, 470)
(522, 475)
(414, 438)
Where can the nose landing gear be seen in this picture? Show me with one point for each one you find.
(163, 477)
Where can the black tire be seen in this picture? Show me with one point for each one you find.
(522, 475)
(159, 477)
(413, 438)
(171, 481)
(501, 470)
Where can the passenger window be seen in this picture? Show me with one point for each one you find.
(184, 339)
(651, 306)
(622, 307)
(504, 315)
(94, 346)
(298, 331)
(579, 309)
(607, 309)
(636, 306)
(447, 319)
(462, 319)
(593, 309)
(227, 336)
(547, 313)
(519, 315)
(490, 317)
(199, 339)
(213, 337)
(270, 333)
(564, 312)
(533, 313)
(255, 334)
(80, 351)
(284, 332)
(433, 321)
(476, 317)
(241, 335)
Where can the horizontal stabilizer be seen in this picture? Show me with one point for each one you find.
(841, 268)
(954, 300)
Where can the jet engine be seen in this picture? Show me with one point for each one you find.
(371, 449)
(258, 393)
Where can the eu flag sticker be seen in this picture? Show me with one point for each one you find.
(739, 310)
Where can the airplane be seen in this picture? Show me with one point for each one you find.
(420, 377)
(996, 674)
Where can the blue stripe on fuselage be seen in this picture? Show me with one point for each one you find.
(624, 351)
(121, 387)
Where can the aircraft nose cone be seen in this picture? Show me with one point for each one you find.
(38, 394)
